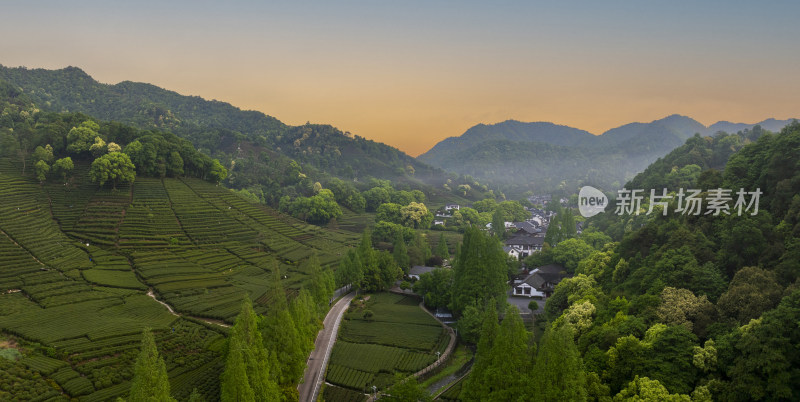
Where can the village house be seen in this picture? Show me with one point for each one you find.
(525, 245)
(528, 227)
(418, 270)
(452, 207)
(511, 251)
(542, 200)
(541, 282)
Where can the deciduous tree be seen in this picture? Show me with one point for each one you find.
(41, 168)
(435, 287)
(80, 139)
(116, 168)
(64, 167)
(751, 292)
(217, 172)
(43, 153)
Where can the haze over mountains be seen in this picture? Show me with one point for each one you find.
(541, 155)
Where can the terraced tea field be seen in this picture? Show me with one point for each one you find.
(398, 337)
(77, 262)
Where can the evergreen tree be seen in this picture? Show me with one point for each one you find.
(478, 387)
(282, 340)
(235, 383)
(382, 274)
(553, 234)
(249, 359)
(357, 270)
(558, 372)
(322, 283)
(150, 382)
(400, 252)
(365, 252)
(562, 226)
(507, 372)
(503, 358)
(480, 270)
(420, 250)
(499, 222)
(344, 272)
(441, 249)
(306, 318)
(568, 228)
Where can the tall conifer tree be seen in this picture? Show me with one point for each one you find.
(282, 340)
(558, 372)
(235, 383)
(150, 381)
(441, 248)
(480, 270)
(246, 351)
(400, 251)
(477, 387)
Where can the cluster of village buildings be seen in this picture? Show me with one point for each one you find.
(527, 238)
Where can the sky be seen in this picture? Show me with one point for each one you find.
(411, 73)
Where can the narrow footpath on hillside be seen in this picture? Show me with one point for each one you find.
(318, 360)
(172, 311)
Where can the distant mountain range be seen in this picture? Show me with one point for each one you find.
(543, 156)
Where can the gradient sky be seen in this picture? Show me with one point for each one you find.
(410, 73)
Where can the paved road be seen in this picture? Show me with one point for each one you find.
(318, 361)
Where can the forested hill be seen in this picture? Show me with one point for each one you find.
(257, 143)
(539, 156)
(676, 306)
(143, 105)
(509, 130)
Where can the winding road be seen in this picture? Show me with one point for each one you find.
(318, 360)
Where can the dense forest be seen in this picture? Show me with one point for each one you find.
(656, 306)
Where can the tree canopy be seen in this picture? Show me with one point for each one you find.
(114, 167)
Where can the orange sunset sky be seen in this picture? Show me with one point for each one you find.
(413, 73)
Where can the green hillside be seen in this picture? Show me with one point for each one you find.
(672, 306)
(78, 261)
(263, 154)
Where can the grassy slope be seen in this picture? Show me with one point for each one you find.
(76, 262)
